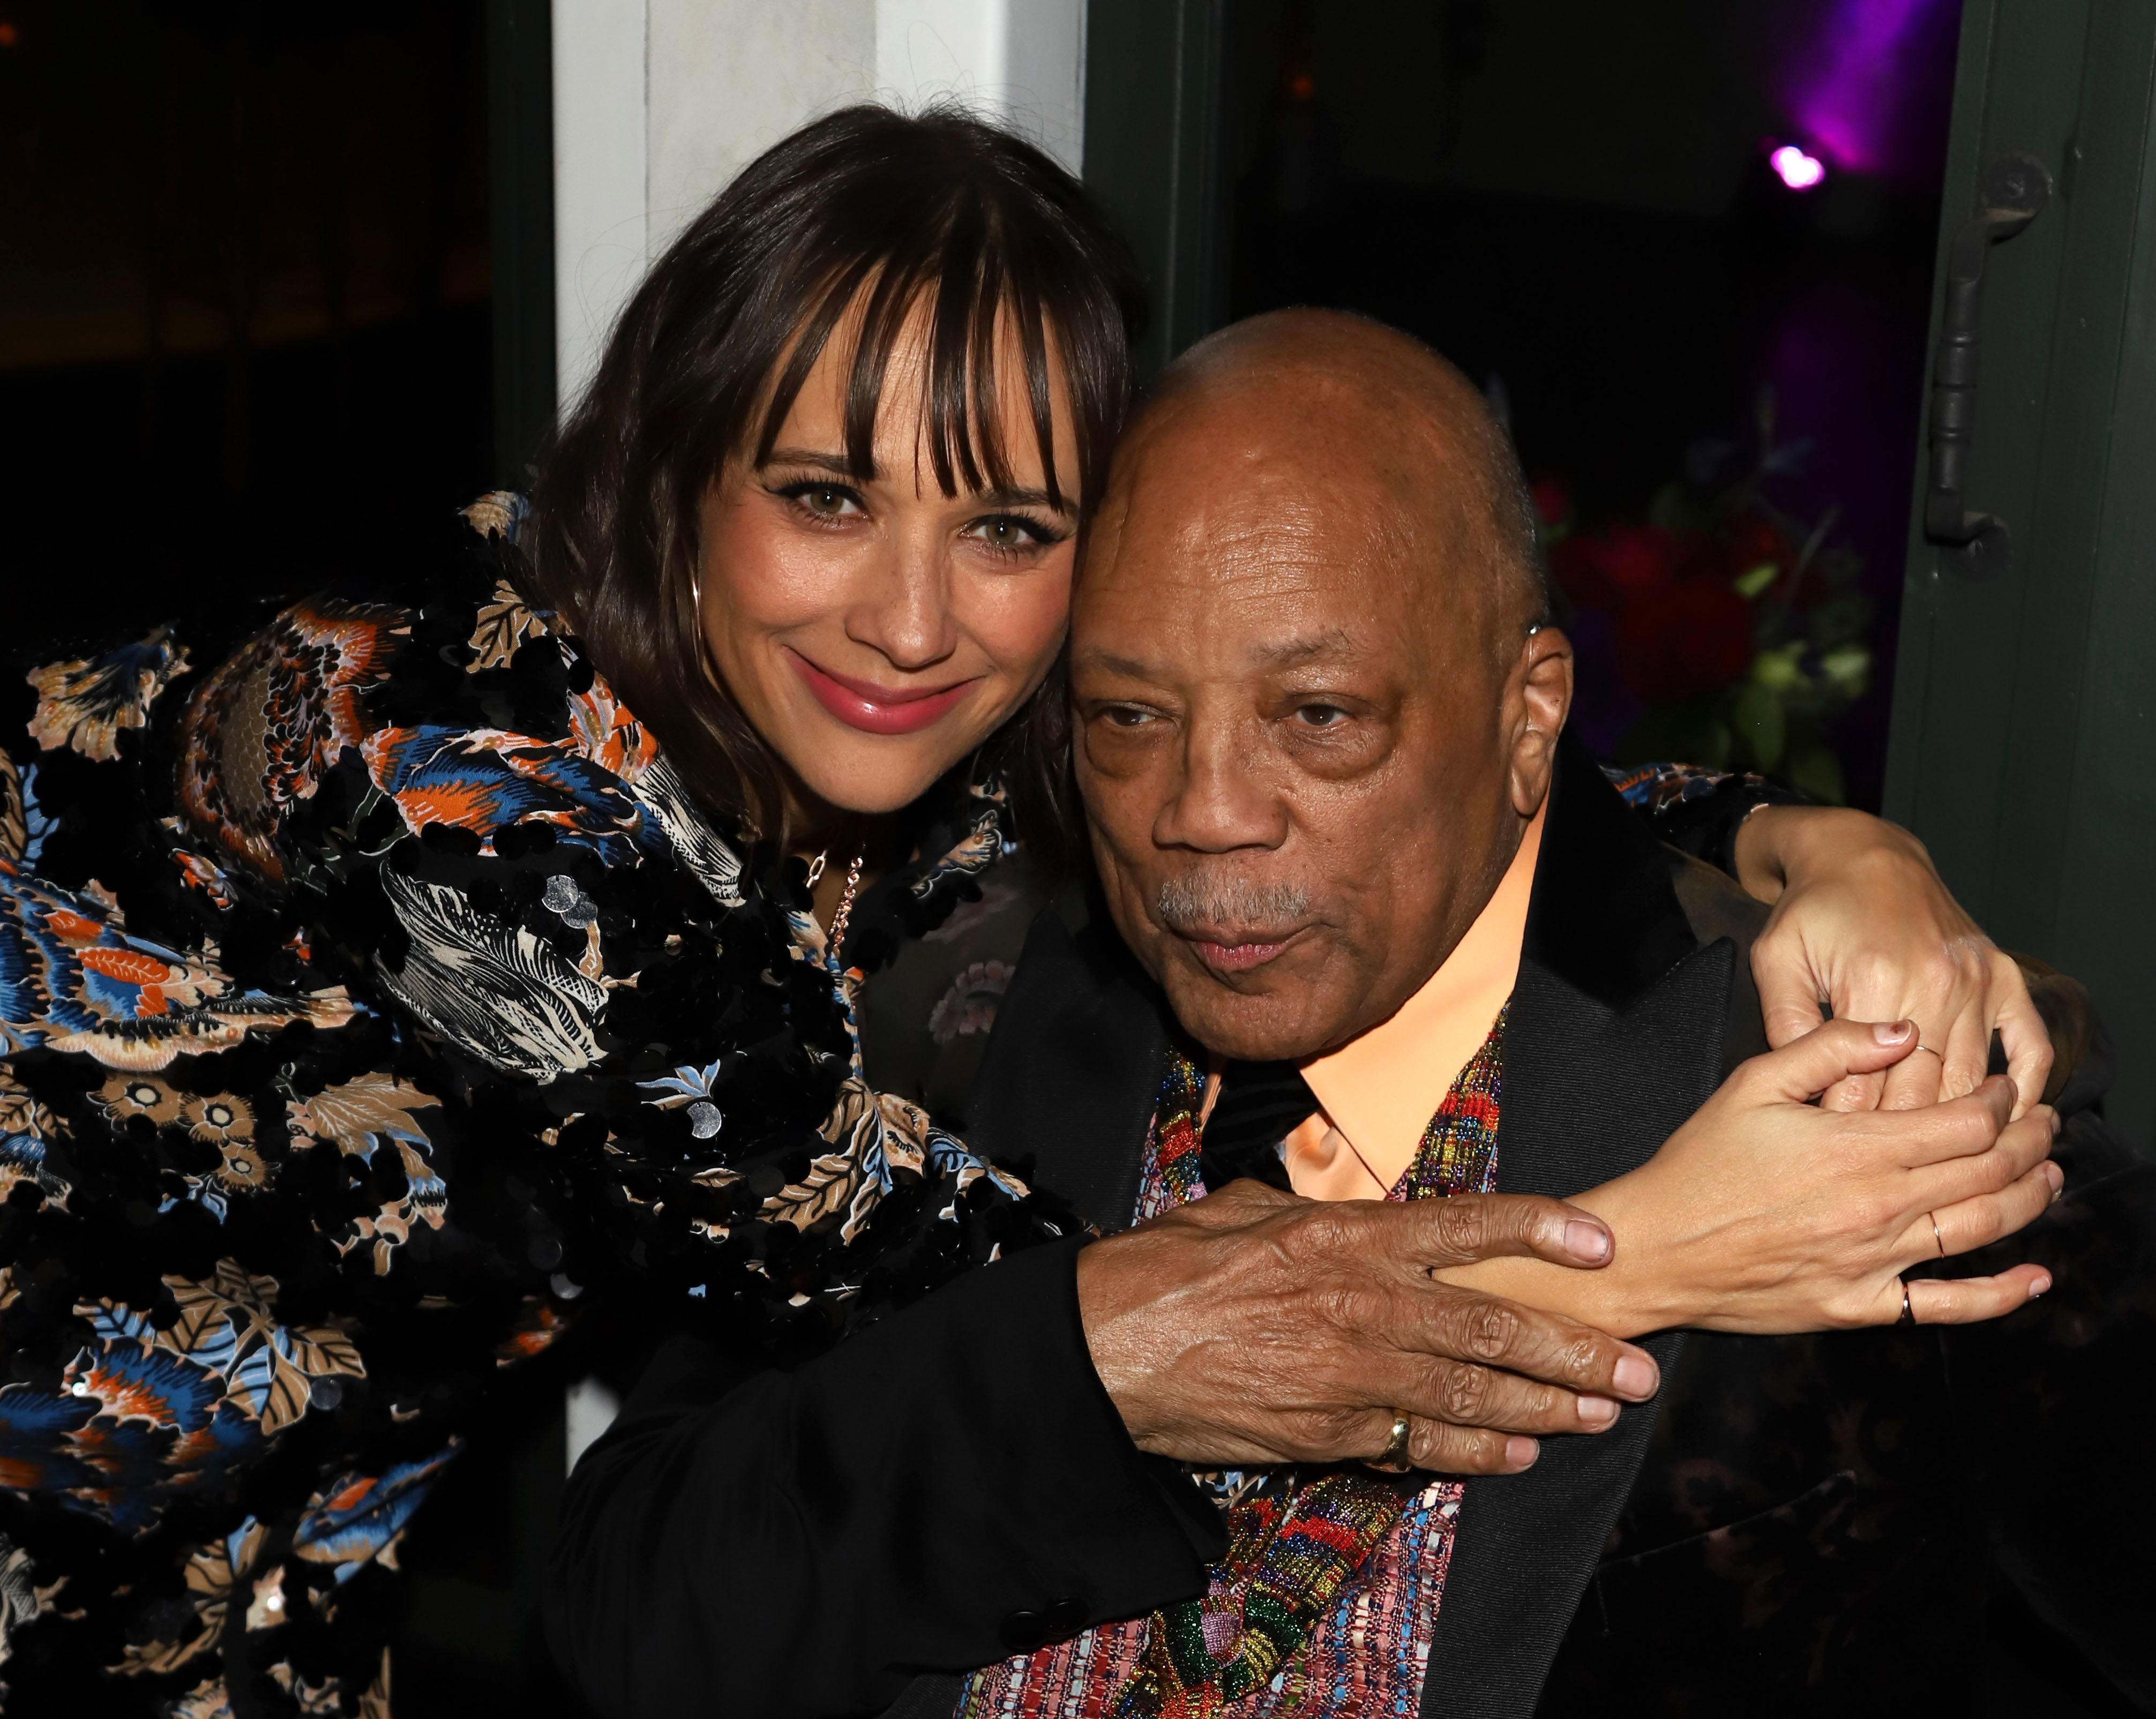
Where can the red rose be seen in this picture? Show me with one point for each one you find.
(1638, 559)
(1619, 566)
(1685, 639)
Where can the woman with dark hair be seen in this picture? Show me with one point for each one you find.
(612, 921)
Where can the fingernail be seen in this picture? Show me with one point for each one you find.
(1587, 1241)
(2038, 1287)
(1635, 1375)
(1521, 1451)
(2057, 1177)
(1891, 1032)
(1597, 1412)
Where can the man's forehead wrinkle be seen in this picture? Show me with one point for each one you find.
(1114, 663)
(1350, 461)
(1171, 522)
(1320, 645)
(1310, 647)
(1277, 589)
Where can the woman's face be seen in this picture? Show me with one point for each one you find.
(876, 631)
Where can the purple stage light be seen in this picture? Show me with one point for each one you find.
(1852, 87)
(1795, 169)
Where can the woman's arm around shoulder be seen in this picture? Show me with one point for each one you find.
(1863, 928)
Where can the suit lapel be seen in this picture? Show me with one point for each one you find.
(1615, 1038)
(1073, 1068)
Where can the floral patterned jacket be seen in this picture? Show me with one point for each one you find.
(364, 1003)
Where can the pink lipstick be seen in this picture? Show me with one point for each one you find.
(879, 710)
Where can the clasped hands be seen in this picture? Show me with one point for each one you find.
(1255, 1326)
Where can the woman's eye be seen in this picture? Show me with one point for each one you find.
(1011, 533)
(824, 500)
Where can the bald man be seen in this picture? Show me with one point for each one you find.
(1422, 949)
(1393, 940)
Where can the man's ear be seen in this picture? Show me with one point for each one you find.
(1537, 697)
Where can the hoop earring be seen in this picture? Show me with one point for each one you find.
(696, 625)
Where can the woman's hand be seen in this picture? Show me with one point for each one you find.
(1766, 1214)
(1863, 925)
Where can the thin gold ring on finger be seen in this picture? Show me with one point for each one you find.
(1393, 1457)
(1921, 1045)
(1936, 1236)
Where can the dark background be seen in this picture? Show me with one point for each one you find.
(1571, 201)
(244, 289)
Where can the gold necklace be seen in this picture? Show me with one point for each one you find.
(834, 940)
(838, 938)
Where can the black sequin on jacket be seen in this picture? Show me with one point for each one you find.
(369, 1004)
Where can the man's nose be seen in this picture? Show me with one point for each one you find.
(905, 614)
(1224, 799)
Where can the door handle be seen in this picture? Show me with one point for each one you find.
(2015, 189)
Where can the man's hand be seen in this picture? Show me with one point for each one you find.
(1764, 1213)
(1254, 1326)
(1862, 923)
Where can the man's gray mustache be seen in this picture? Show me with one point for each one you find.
(1197, 902)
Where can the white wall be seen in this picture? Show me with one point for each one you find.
(1023, 61)
(600, 217)
(658, 103)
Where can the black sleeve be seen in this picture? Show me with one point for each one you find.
(947, 1487)
(1698, 812)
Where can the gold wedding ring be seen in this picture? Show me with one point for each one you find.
(1394, 1456)
(1936, 1236)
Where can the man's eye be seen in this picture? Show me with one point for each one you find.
(1321, 716)
(1126, 716)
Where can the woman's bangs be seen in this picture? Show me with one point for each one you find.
(980, 313)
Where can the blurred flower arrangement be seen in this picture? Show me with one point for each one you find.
(1717, 629)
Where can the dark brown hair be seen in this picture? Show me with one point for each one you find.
(865, 205)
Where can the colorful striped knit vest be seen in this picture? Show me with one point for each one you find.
(1326, 1601)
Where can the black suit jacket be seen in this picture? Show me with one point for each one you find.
(1794, 1525)
(952, 1485)
(1628, 1010)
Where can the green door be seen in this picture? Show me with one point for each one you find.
(2023, 750)
(1152, 155)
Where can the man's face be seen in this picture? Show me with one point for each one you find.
(1291, 735)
